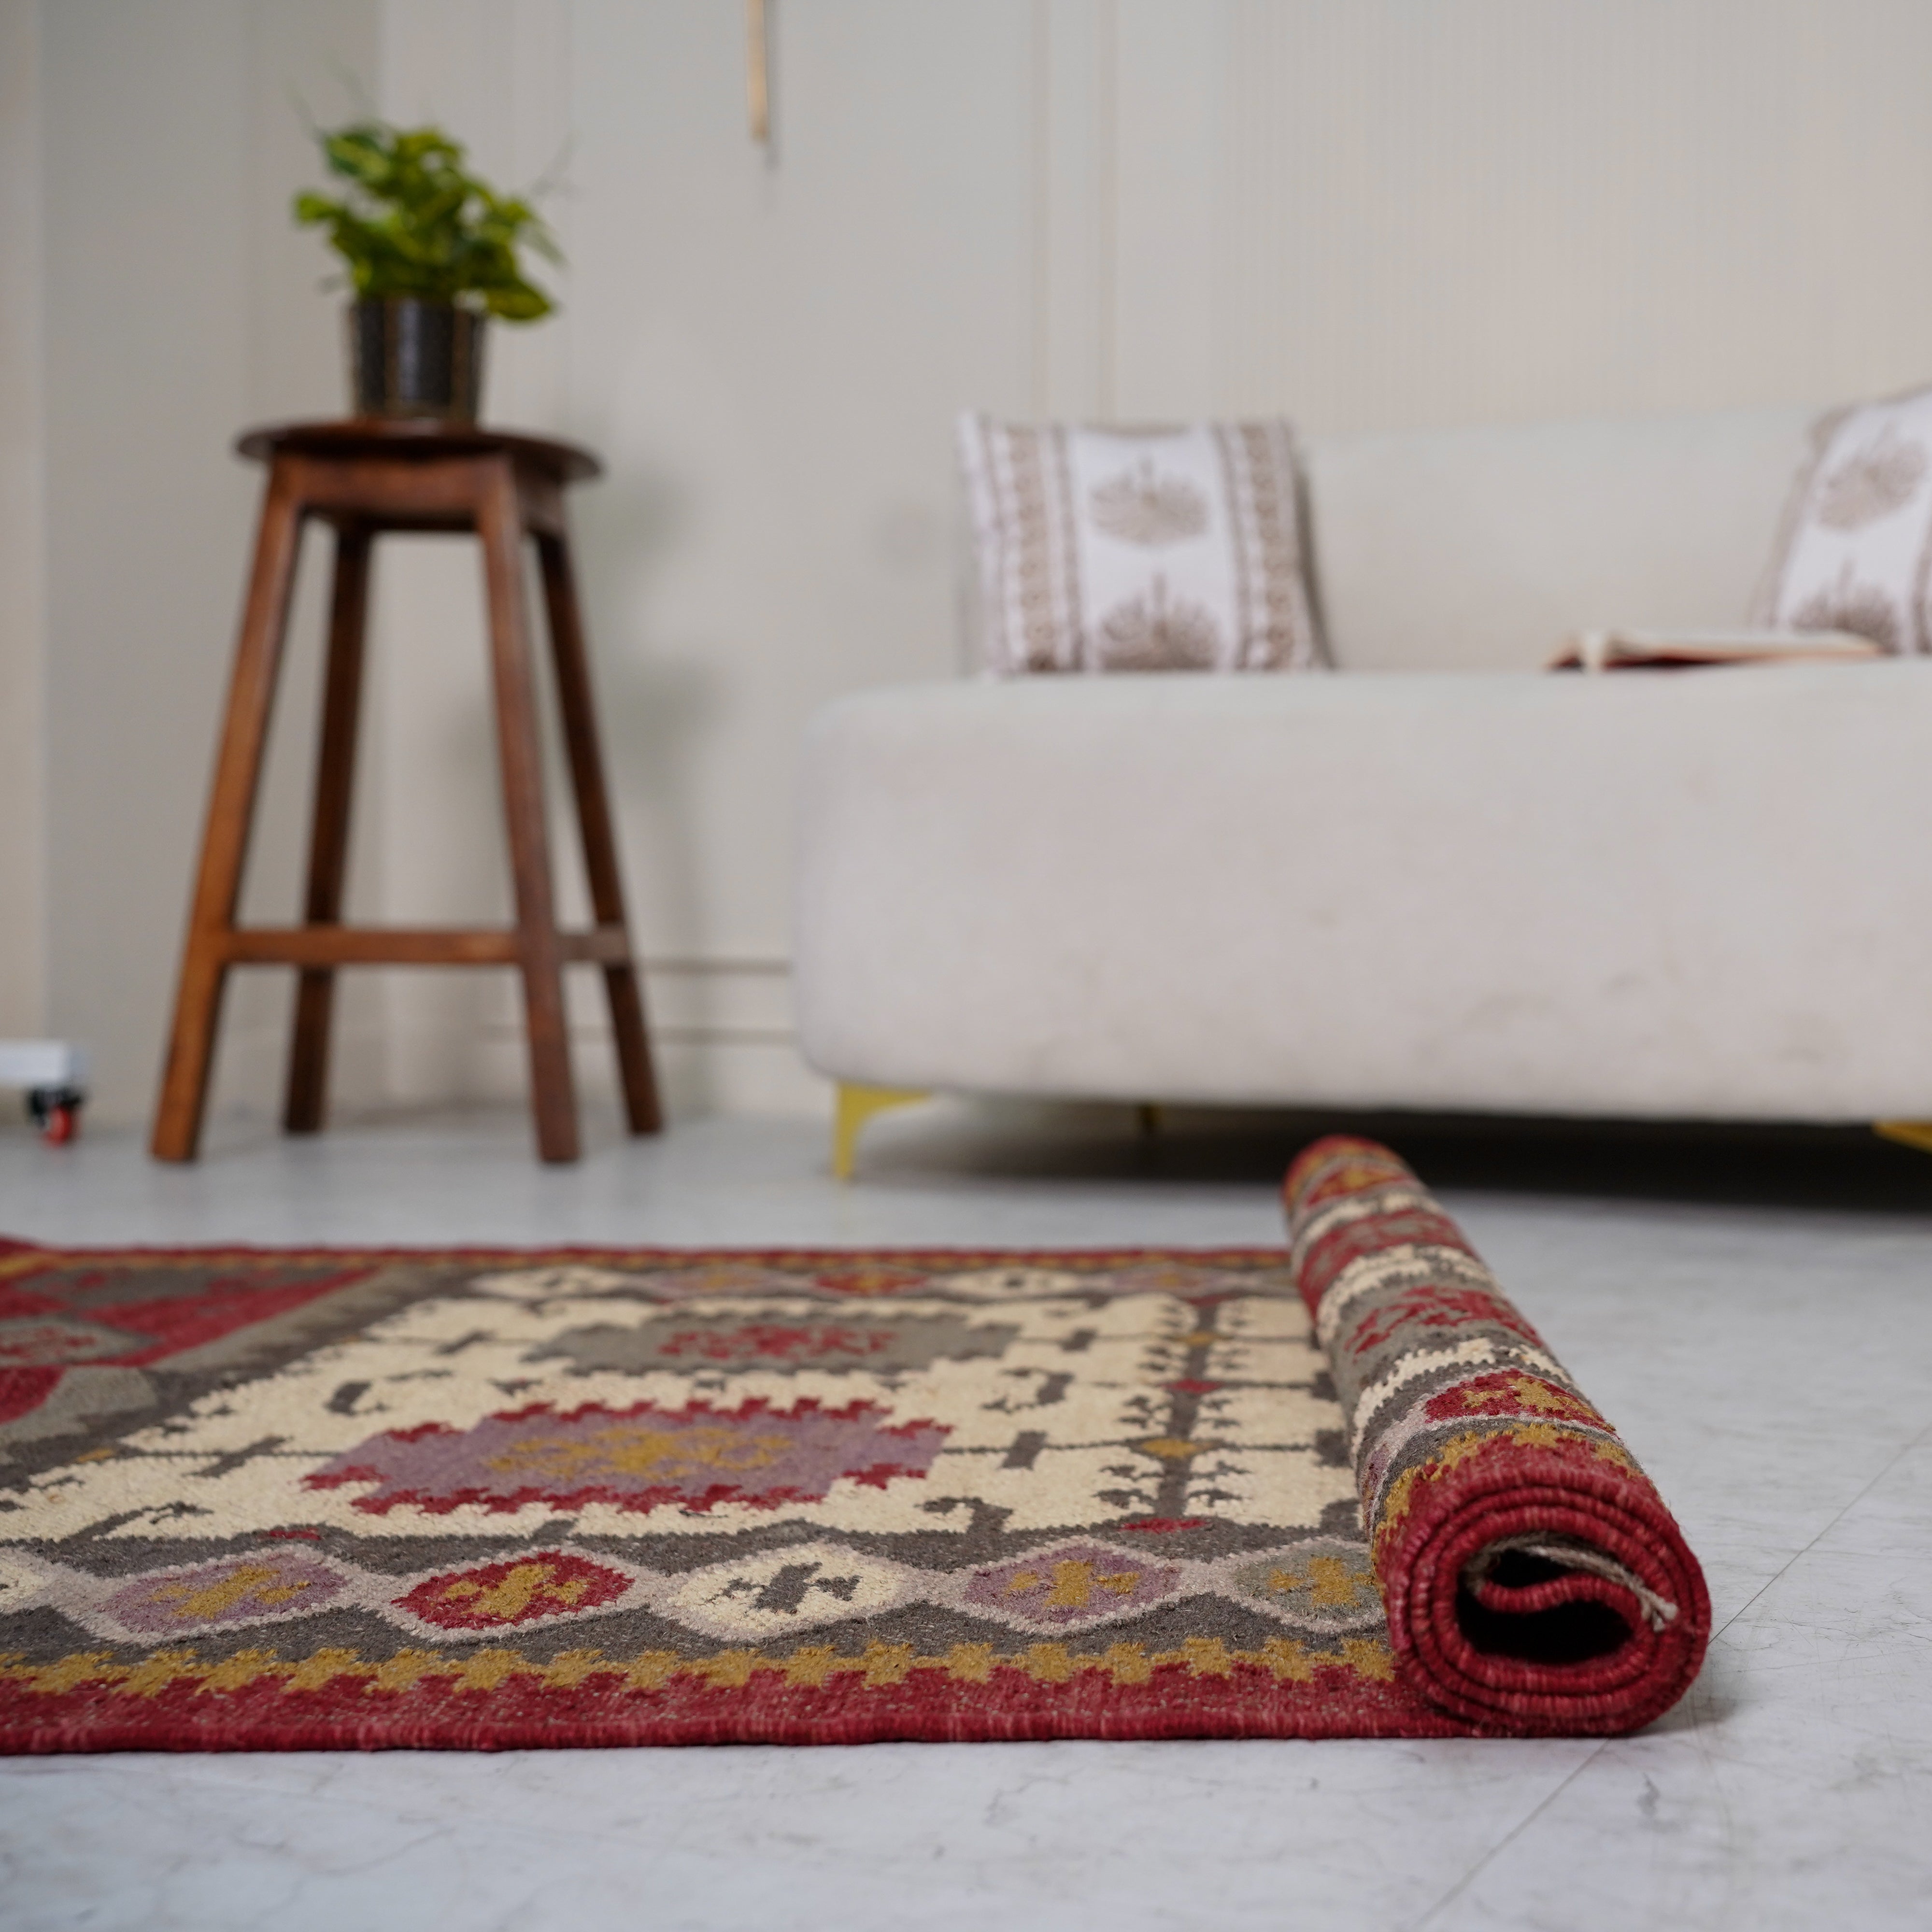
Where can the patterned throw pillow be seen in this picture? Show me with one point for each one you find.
(1855, 552)
(1139, 549)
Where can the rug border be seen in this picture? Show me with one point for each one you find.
(1242, 1700)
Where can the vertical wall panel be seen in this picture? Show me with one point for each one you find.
(1076, 198)
(1170, 75)
(23, 531)
(1508, 209)
(157, 203)
(146, 120)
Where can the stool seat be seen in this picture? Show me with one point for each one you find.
(418, 438)
(364, 477)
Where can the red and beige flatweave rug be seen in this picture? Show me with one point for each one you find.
(279, 1500)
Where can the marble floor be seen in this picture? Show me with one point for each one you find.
(1754, 1310)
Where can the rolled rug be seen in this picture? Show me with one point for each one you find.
(1534, 1581)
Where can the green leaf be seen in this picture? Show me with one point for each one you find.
(414, 221)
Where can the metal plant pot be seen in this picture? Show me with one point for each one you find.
(412, 357)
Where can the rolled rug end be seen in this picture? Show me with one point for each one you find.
(1533, 1579)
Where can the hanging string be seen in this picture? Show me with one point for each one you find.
(757, 73)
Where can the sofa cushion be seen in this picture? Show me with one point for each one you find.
(1482, 549)
(1854, 550)
(1146, 549)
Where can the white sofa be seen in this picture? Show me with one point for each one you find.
(1440, 878)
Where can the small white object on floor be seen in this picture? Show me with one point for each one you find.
(42, 1063)
(54, 1072)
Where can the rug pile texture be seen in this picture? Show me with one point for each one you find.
(255, 1499)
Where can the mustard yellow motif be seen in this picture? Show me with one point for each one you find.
(512, 1596)
(1074, 1584)
(1537, 1435)
(187, 1604)
(638, 1450)
(878, 1665)
(1331, 1583)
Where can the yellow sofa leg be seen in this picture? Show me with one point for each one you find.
(1910, 1133)
(855, 1106)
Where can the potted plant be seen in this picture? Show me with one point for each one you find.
(431, 251)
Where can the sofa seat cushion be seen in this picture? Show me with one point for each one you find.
(1691, 894)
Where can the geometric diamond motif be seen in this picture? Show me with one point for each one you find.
(42, 1341)
(1073, 1584)
(195, 1599)
(1324, 1584)
(640, 1458)
(541, 1588)
(760, 1599)
(23, 1580)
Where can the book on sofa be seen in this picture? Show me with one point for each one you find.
(1683, 650)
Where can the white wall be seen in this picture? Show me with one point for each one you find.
(1368, 213)
(1438, 213)
(173, 309)
(22, 530)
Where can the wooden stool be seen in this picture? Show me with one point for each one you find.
(361, 478)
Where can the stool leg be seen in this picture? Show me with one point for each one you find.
(231, 809)
(329, 836)
(553, 1095)
(579, 710)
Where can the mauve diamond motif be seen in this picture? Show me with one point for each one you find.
(638, 1458)
(1073, 1583)
(237, 1590)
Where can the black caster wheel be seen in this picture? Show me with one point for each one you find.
(55, 1111)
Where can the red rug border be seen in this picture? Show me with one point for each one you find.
(1247, 1702)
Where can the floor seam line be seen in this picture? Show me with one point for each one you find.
(1783, 1568)
(1510, 1837)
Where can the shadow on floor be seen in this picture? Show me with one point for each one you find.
(1806, 1167)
